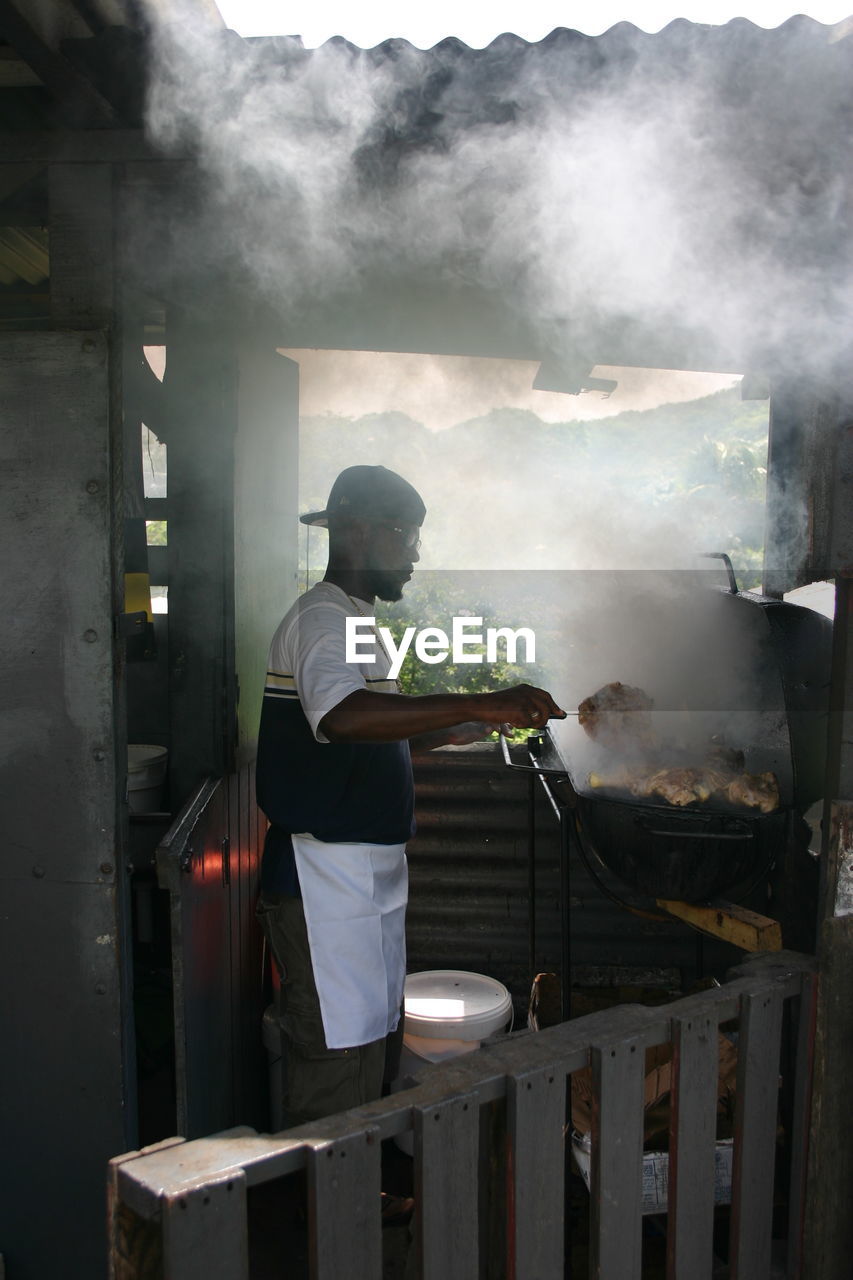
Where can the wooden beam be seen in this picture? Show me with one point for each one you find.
(78, 146)
(742, 928)
(14, 72)
(81, 246)
(53, 69)
(15, 176)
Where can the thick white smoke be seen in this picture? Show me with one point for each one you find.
(682, 193)
(692, 182)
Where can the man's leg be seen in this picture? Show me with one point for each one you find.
(317, 1081)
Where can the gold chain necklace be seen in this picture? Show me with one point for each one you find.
(355, 604)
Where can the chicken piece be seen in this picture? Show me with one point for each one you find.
(715, 781)
(679, 786)
(633, 780)
(685, 786)
(617, 716)
(755, 790)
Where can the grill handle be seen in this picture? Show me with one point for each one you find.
(730, 573)
(530, 768)
(682, 833)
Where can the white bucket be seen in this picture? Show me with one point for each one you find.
(146, 775)
(448, 1013)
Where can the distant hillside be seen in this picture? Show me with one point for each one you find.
(508, 488)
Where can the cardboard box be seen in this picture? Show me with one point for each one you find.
(656, 1092)
(656, 1172)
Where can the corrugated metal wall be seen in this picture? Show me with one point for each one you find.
(66, 1074)
(469, 890)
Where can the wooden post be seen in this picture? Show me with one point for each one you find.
(828, 1243)
(800, 456)
(200, 399)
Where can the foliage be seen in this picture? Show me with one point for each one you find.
(435, 600)
(508, 486)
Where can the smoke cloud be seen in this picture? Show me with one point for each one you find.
(683, 196)
(693, 182)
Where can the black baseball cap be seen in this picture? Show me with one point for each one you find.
(373, 492)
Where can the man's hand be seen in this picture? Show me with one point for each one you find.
(522, 707)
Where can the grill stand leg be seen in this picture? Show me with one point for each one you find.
(531, 875)
(565, 914)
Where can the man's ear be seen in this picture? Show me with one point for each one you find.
(359, 532)
(349, 535)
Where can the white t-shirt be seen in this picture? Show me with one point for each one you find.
(309, 650)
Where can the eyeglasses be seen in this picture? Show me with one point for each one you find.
(409, 534)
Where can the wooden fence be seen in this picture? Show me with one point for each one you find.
(179, 1210)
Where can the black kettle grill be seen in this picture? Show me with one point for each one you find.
(765, 689)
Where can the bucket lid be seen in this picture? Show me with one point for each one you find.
(454, 1005)
(142, 754)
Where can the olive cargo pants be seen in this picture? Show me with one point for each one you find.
(316, 1081)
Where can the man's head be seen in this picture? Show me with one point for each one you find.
(373, 516)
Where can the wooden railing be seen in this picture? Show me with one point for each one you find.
(179, 1210)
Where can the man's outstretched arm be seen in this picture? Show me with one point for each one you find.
(365, 716)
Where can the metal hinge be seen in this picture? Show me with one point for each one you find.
(129, 624)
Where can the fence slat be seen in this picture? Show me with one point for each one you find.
(803, 1010)
(192, 1194)
(205, 1231)
(755, 1135)
(693, 1122)
(344, 1223)
(536, 1120)
(616, 1175)
(446, 1159)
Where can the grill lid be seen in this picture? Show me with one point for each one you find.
(748, 673)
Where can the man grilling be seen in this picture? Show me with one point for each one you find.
(334, 777)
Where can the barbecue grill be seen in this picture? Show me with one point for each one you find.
(703, 850)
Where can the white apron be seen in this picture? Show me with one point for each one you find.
(354, 896)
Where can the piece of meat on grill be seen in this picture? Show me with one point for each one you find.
(684, 786)
(679, 786)
(617, 716)
(633, 780)
(756, 790)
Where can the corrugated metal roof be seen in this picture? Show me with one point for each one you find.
(839, 29)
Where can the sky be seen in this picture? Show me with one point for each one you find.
(440, 391)
(478, 23)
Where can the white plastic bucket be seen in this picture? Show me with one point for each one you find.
(146, 775)
(448, 1013)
